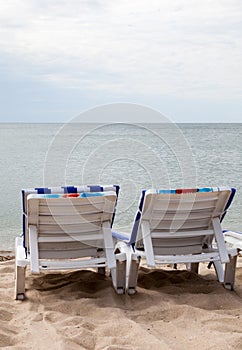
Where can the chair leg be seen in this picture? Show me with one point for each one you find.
(101, 270)
(121, 276)
(194, 267)
(20, 282)
(133, 274)
(229, 274)
(219, 270)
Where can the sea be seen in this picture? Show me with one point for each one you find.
(133, 156)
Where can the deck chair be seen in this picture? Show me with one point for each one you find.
(59, 190)
(233, 239)
(180, 226)
(68, 231)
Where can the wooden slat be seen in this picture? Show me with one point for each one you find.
(178, 224)
(69, 209)
(179, 242)
(73, 219)
(107, 235)
(65, 245)
(180, 215)
(148, 243)
(213, 256)
(166, 234)
(33, 213)
(220, 241)
(184, 205)
(72, 201)
(186, 197)
(34, 256)
(67, 254)
(74, 264)
(192, 249)
(70, 228)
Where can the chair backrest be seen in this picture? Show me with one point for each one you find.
(70, 225)
(61, 190)
(181, 220)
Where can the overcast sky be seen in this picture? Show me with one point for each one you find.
(180, 57)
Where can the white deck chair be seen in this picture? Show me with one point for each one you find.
(60, 190)
(180, 226)
(69, 231)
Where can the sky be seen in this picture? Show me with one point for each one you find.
(59, 58)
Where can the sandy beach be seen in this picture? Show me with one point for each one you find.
(173, 309)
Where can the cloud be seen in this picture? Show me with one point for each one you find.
(184, 48)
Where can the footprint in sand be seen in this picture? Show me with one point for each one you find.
(5, 315)
(38, 317)
(53, 317)
(5, 340)
(80, 336)
(7, 337)
(8, 334)
(77, 321)
(7, 269)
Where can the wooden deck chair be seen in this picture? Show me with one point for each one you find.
(68, 231)
(180, 226)
(59, 190)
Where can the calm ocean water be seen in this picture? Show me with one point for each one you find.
(133, 156)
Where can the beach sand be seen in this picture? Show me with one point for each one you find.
(79, 310)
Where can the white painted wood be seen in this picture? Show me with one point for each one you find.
(52, 209)
(68, 228)
(69, 238)
(220, 240)
(109, 245)
(184, 234)
(33, 243)
(147, 243)
(33, 213)
(73, 264)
